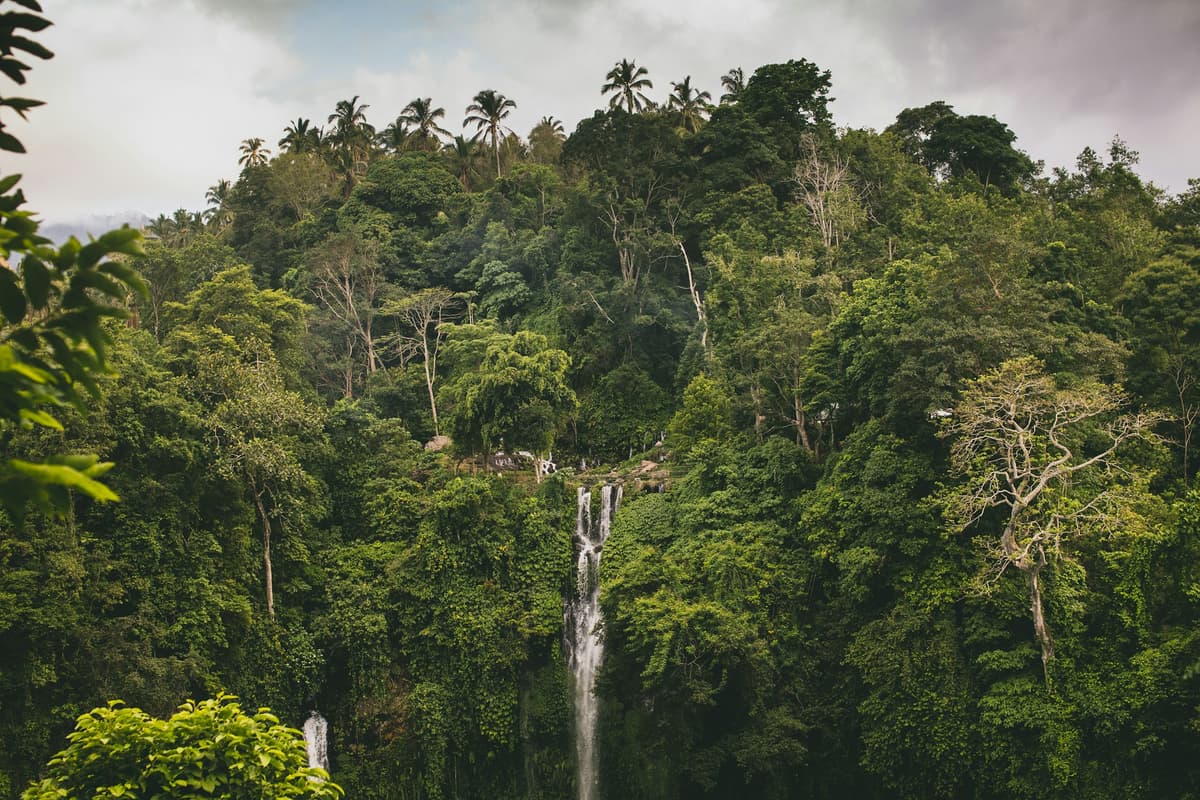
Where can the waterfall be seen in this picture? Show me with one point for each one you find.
(316, 734)
(585, 648)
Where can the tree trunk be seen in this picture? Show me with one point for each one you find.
(372, 362)
(801, 428)
(1187, 441)
(266, 526)
(348, 372)
(1039, 618)
(698, 301)
(798, 412)
(759, 416)
(429, 387)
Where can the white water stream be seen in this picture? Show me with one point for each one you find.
(585, 646)
(316, 737)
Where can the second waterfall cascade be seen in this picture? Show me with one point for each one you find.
(316, 740)
(584, 643)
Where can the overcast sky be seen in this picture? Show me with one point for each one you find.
(148, 100)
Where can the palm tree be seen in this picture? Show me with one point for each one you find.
(300, 137)
(546, 141)
(184, 227)
(161, 228)
(353, 135)
(486, 113)
(349, 119)
(734, 82)
(421, 114)
(254, 153)
(626, 81)
(463, 155)
(396, 136)
(691, 105)
(219, 214)
(552, 126)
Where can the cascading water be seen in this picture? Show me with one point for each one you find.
(585, 647)
(316, 735)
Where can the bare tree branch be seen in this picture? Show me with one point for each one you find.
(1018, 442)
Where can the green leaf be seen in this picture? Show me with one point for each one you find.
(9, 182)
(92, 279)
(10, 363)
(89, 464)
(21, 104)
(91, 253)
(116, 241)
(30, 22)
(67, 254)
(9, 142)
(12, 299)
(14, 69)
(127, 275)
(40, 418)
(37, 281)
(30, 46)
(63, 475)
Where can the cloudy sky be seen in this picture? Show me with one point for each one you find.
(148, 100)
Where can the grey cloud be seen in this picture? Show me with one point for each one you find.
(260, 13)
(1062, 74)
(1089, 54)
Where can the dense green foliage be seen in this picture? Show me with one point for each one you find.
(206, 749)
(930, 528)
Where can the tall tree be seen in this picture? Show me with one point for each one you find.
(423, 117)
(826, 190)
(219, 212)
(463, 155)
(254, 152)
(348, 283)
(425, 316)
(396, 136)
(518, 393)
(185, 226)
(787, 100)
(546, 140)
(689, 103)
(914, 126)
(349, 119)
(300, 137)
(553, 126)
(301, 182)
(1020, 443)
(261, 430)
(488, 110)
(733, 82)
(160, 227)
(977, 145)
(1160, 301)
(626, 80)
(352, 135)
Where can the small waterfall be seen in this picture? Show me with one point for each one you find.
(316, 735)
(585, 648)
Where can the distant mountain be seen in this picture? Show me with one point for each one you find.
(95, 224)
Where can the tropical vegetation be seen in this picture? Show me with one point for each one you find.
(906, 426)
